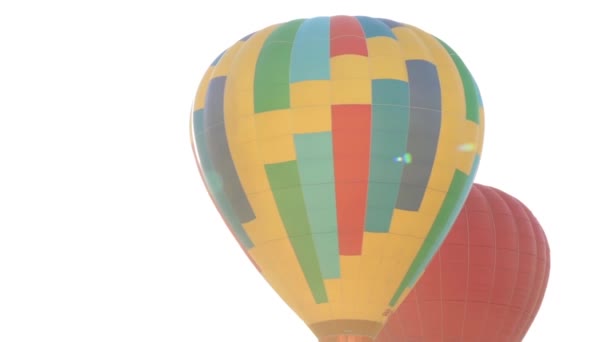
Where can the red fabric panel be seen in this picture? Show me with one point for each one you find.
(347, 37)
(351, 130)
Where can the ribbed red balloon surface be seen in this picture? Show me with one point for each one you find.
(487, 281)
(345, 338)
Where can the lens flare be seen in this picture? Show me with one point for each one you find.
(406, 158)
(467, 147)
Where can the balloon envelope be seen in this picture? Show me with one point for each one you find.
(339, 150)
(346, 338)
(486, 282)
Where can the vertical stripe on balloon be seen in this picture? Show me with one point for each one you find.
(310, 53)
(219, 153)
(316, 169)
(347, 37)
(375, 28)
(272, 69)
(286, 188)
(213, 181)
(423, 135)
(471, 92)
(351, 147)
(390, 116)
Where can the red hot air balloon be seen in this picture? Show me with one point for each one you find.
(487, 281)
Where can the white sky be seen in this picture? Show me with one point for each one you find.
(107, 233)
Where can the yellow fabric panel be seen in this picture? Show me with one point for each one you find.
(248, 156)
(385, 59)
(243, 100)
(403, 223)
(266, 217)
(372, 276)
(273, 124)
(373, 244)
(335, 295)
(397, 253)
(277, 150)
(311, 119)
(431, 203)
(242, 129)
(411, 44)
(368, 268)
(349, 268)
(382, 47)
(309, 93)
(470, 132)
(348, 67)
(442, 173)
(285, 274)
(357, 91)
(201, 93)
(350, 80)
(417, 224)
(320, 312)
(372, 286)
(387, 67)
(400, 249)
(223, 67)
(274, 136)
(480, 131)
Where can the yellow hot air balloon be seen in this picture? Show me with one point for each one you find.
(339, 151)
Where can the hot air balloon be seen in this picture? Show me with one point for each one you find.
(486, 282)
(339, 151)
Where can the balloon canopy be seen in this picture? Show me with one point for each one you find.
(486, 282)
(339, 151)
(347, 338)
